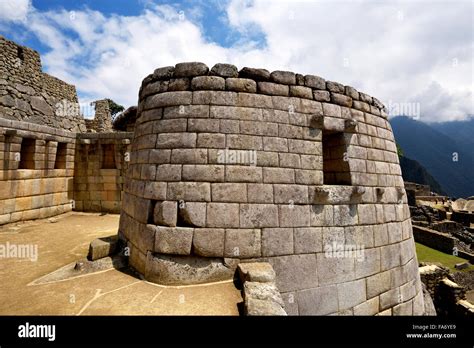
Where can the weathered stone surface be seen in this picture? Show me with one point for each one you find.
(225, 70)
(277, 241)
(341, 99)
(242, 243)
(295, 272)
(174, 240)
(315, 82)
(207, 83)
(165, 213)
(193, 213)
(39, 104)
(308, 240)
(334, 87)
(283, 77)
(190, 69)
(164, 73)
(256, 272)
(255, 74)
(223, 215)
(209, 242)
(260, 307)
(318, 301)
(301, 92)
(258, 215)
(185, 270)
(241, 85)
(102, 247)
(262, 291)
(270, 88)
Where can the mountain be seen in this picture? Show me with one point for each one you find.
(461, 131)
(450, 162)
(413, 171)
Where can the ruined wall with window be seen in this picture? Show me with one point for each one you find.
(30, 95)
(236, 166)
(36, 171)
(101, 161)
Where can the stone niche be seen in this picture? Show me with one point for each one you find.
(233, 166)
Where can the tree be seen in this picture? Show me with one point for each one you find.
(399, 151)
(114, 108)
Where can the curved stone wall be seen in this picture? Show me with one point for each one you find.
(233, 166)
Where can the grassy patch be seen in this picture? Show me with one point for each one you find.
(427, 254)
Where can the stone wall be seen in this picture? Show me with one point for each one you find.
(36, 171)
(434, 239)
(277, 167)
(101, 161)
(102, 121)
(28, 94)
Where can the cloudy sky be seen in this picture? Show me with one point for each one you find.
(403, 52)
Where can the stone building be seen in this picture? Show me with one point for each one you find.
(223, 166)
(233, 166)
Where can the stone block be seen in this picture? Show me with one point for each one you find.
(168, 172)
(270, 88)
(351, 294)
(165, 213)
(389, 298)
(258, 215)
(255, 74)
(201, 125)
(203, 172)
(193, 213)
(295, 272)
(190, 69)
(209, 242)
(229, 192)
(191, 156)
(241, 85)
(301, 92)
(242, 243)
(223, 215)
(341, 99)
(334, 87)
(211, 140)
(333, 269)
(318, 301)
(290, 194)
(208, 83)
(189, 191)
(390, 256)
(294, 215)
(308, 240)
(279, 175)
(243, 174)
(262, 291)
(224, 70)
(262, 307)
(306, 147)
(176, 140)
(277, 241)
(275, 144)
(322, 215)
(260, 193)
(102, 247)
(377, 284)
(369, 264)
(256, 272)
(322, 96)
(168, 99)
(174, 240)
(370, 307)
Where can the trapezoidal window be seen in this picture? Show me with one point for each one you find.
(108, 156)
(335, 164)
(61, 152)
(27, 154)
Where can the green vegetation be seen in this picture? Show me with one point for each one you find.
(427, 254)
(114, 107)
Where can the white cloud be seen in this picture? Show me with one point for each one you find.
(14, 10)
(399, 51)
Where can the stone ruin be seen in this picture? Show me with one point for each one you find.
(224, 167)
(231, 166)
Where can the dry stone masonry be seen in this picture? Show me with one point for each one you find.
(231, 166)
(30, 95)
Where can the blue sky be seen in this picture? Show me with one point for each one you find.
(399, 51)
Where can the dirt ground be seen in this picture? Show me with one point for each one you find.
(65, 239)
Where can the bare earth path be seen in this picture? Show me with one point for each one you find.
(110, 292)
